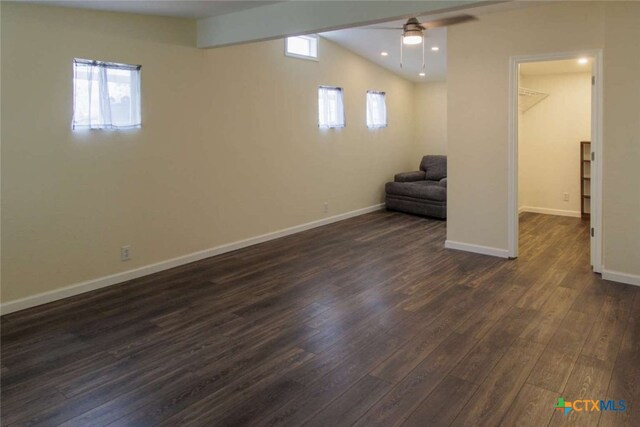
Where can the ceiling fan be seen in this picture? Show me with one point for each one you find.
(413, 31)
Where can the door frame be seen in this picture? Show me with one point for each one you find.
(596, 149)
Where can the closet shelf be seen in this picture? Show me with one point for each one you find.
(527, 98)
(585, 178)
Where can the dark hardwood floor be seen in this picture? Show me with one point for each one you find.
(366, 321)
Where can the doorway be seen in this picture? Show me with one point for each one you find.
(555, 142)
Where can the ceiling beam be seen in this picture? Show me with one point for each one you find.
(290, 18)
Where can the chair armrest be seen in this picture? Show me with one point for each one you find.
(409, 176)
(443, 182)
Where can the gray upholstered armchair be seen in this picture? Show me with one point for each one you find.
(422, 192)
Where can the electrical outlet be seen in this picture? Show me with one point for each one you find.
(565, 197)
(325, 207)
(125, 253)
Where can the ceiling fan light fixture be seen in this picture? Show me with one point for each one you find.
(412, 37)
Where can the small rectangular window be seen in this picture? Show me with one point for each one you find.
(376, 109)
(330, 107)
(305, 47)
(106, 95)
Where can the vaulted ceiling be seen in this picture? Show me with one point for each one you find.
(371, 42)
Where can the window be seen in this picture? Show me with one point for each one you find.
(376, 110)
(330, 107)
(105, 95)
(305, 47)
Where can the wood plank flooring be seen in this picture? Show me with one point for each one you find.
(369, 321)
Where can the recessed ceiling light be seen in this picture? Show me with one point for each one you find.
(435, 48)
(384, 53)
(583, 61)
(422, 74)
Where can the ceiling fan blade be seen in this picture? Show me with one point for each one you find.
(445, 22)
(378, 28)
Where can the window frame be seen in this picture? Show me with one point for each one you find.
(386, 115)
(344, 115)
(315, 37)
(112, 66)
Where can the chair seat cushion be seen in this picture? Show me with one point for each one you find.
(418, 190)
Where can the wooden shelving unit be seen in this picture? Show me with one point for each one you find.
(585, 178)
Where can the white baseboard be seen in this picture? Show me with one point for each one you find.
(546, 211)
(616, 276)
(468, 247)
(113, 279)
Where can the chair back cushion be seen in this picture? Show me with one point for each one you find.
(435, 167)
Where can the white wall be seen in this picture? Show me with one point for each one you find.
(478, 85)
(549, 143)
(229, 148)
(431, 117)
(621, 196)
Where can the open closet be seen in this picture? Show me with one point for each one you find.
(554, 124)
